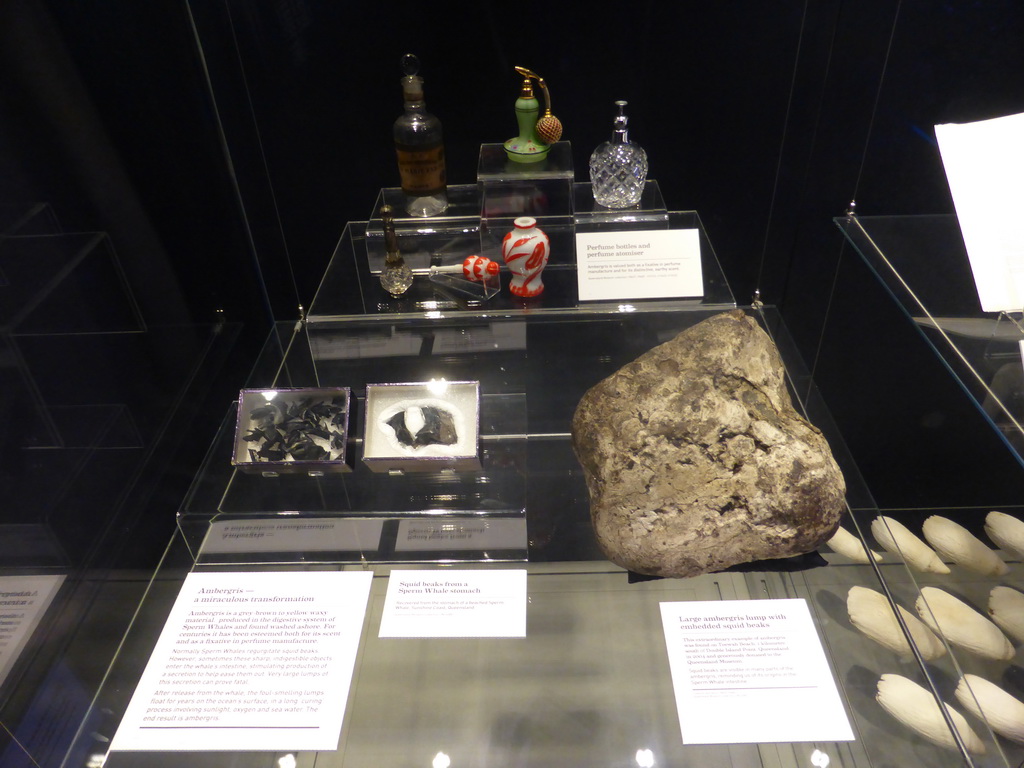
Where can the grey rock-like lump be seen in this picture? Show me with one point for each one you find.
(432, 426)
(696, 460)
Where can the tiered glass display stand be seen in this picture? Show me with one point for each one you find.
(589, 684)
(534, 359)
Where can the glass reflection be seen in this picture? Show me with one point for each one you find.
(644, 758)
(437, 386)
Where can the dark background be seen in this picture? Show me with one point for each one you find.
(222, 145)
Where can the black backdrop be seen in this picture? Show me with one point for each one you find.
(238, 138)
(223, 144)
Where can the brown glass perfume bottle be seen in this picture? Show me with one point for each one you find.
(420, 148)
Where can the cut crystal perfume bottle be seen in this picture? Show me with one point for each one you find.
(396, 277)
(618, 168)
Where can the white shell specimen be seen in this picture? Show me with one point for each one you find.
(916, 707)
(1006, 531)
(895, 537)
(848, 545)
(954, 542)
(962, 625)
(987, 701)
(871, 613)
(1006, 607)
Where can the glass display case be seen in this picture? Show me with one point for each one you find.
(922, 262)
(591, 677)
(590, 681)
(91, 441)
(532, 362)
(205, 156)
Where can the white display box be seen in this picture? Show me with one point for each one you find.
(422, 427)
(292, 431)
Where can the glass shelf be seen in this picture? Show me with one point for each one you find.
(591, 216)
(55, 286)
(591, 677)
(526, 450)
(51, 281)
(922, 262)
(333, 303)
(237, 516)
(589, 684)
(494, 166)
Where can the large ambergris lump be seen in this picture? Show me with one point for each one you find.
(696, 460)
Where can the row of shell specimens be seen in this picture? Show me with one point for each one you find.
(915, 706)
(948, 540)
(942, 616)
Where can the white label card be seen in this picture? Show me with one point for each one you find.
(984, 164)
(751, 671)
(444, 603)
(647, 264)
(308, 535)
(250, 661)
(465, 534)
(23, 601)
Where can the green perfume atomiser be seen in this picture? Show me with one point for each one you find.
(536, 134)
